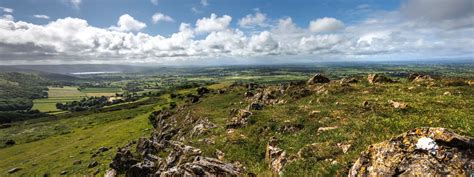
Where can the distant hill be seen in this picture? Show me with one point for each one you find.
(69, 69)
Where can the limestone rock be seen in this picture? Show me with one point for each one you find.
(378, 78)
(255, 106)
(13, 170)
(275, 157)
(318, 78)
(239, 118)
(398, 105)
(420, 152)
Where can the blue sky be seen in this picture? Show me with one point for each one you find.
(219, 31)
(104, 13)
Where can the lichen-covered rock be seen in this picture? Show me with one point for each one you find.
(202, 127)
(318, 78)
(275, 157)
(419, 152)
(378, 78)
(239, 118)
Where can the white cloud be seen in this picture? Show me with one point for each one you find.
(76, 3)
(41, 16)
(157, 17)
(128, 23)
(7, 17)
(325, 24)
(6, 10)
(154, 2)
(213, 23)
(253, 20)
(385, 34)
(204, 2)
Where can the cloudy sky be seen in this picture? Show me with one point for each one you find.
(233, 31)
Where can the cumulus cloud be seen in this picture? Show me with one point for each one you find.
(213, 23)
(452, 14)
(325, 24)
(154, 2)
(6, 10)
(258, 19)
(157, 17)
(128, 23)
(41, 16)
(7, 17)
(392, 33)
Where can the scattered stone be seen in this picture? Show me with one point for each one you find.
(239, 118)
(220, 155)
(378, 78)
(202, 127)
(365, 104)
(248, 94)
(64, 172)
(314, 113)
(447, 93)
(348, 81)
(102, 149)
(110, 173)
(415, 77)
(291, 128)
(428, 151)
(323, 129)
(77, 162)
(317, 78)
(398, 105)
(13, 170)
(255, 106)
(275, 157)
(344, 147)
(93, 164)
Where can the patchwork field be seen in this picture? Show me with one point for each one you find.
(68, 94)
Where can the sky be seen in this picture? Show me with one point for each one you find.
(233, 31)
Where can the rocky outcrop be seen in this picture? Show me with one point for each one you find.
(275, 157)
(318, 78)
(202, 127)
(348, 80)
(418, 152)
(378, 78)
(239, 118)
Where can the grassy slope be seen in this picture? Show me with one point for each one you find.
(341, 107)
(72, 139)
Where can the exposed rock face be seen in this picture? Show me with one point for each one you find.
(275, 157)
(202, 127)
(317, 78)
(422, 151)
(423, 78)
(239, 118)
(398, 105)
(378, 78)
(348, 81)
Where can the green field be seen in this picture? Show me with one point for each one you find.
(67, 94)
(57, 95)
(49, 147)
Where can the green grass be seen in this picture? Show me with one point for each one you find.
(51, 146)
(341, 107)
(101, 90)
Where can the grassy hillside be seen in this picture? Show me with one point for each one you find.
(50, 147)
(357, 114)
